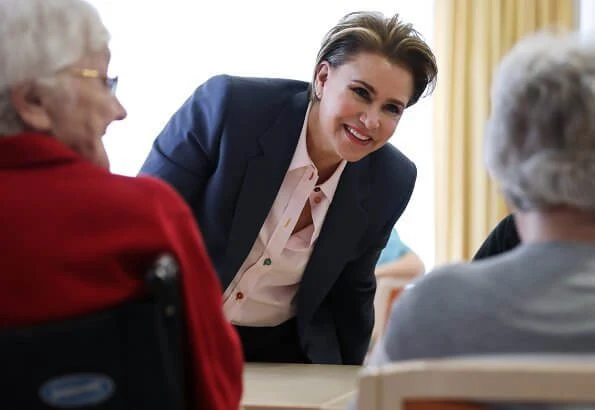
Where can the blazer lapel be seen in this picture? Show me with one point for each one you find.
(263, 178)
(343, 227)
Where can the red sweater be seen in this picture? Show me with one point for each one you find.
(76, 239)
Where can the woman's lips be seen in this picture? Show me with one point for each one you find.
(356, 137)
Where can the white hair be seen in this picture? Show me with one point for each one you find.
(540, 138)
(38, 38)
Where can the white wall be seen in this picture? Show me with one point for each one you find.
(162, 50)
(586, 15)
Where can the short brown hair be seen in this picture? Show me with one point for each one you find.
(390, 37)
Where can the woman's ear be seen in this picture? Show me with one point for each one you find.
(321, 77)
(28, 102)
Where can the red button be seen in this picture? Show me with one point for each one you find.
(239, 296)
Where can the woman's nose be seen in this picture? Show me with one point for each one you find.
(370, 119)
(120, 111)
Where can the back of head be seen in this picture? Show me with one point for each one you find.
(389, 37)
(39, 38)
(540, 138)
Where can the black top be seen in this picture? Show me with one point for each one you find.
(503, 238)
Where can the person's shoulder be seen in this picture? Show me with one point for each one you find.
(390, 152)
(504, 237)
(454, 275)
(441, 281)
(451, 290)
(393, 163)
(392, 175)
(159, 190)
(455, 290)
(427, 319)
(252, 102)
(143, 196)
(256, 87)
(465, 284)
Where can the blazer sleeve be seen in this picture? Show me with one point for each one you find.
(185, 153)
(216, 361)
(353, 294)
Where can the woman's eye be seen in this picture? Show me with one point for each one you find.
(394, 109)
(362, 92)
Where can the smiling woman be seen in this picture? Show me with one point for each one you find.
(276, 40)
(360, 105)
(294, 187)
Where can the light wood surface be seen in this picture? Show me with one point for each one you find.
(442, 405)
(269, 386)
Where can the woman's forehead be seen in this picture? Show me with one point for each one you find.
(387, 78)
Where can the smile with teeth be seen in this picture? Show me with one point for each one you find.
(357, 135)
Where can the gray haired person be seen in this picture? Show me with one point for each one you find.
(540, 148)
(39, 69)
(76, 239)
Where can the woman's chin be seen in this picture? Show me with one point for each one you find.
(351, 155)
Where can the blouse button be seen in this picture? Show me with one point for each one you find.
(267, 262)
(239, 296)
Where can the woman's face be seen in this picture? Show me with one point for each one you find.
(93, 109)
(361, 103)
(79, 111)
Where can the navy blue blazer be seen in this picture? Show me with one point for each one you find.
(227, 150)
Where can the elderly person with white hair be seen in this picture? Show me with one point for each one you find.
(75, 238)
(539, 297)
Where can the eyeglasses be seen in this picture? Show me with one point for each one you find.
(110, 82)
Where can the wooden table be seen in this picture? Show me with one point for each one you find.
(298, 386)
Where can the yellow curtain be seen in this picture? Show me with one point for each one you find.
(471, 36)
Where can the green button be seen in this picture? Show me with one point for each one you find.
(267, 261)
